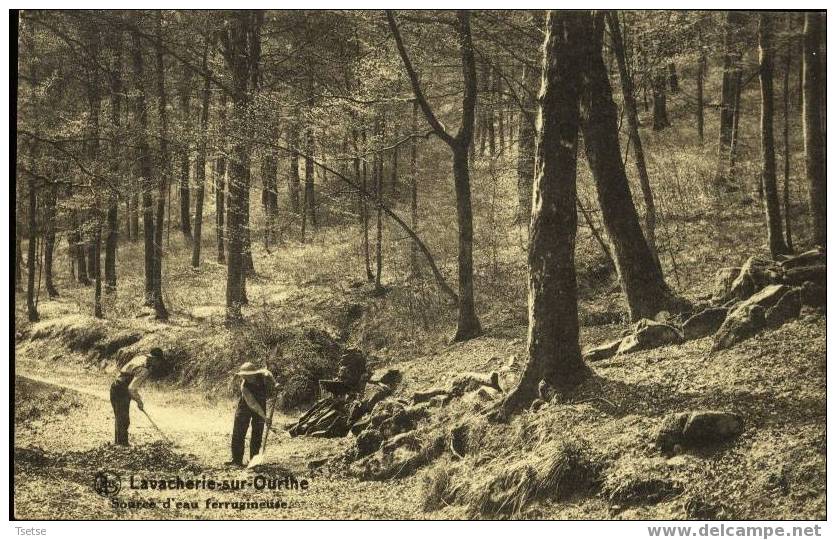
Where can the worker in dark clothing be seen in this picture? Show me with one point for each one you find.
(256, 385)
(126, 388)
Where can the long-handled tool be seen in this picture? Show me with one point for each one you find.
(258, 459)
(163, 435)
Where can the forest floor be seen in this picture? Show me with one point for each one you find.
(775, 469)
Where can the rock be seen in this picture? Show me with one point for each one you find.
(408, 440)
(427, 395)
(488, 393)
(748, 317)
(439, 401)
(704, 323)
(696, 429)
(797, 276)
(708, 427)
(467, 382)
(813, 294)
(788, 307)
(755, 274)
(648, 334)
(723, 284)
(368, 442)
(389, 377)
(385, 410)
(602, 352)
(670, 432)
(814, 257)
(375, 393)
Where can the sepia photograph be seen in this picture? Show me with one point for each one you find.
(413, 264)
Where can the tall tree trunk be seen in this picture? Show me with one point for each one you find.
(160, 311)
(94, 100)
(660, 102)
(293, 179)
(735, 134)
(500, 116)
(146, 171)
(51, 197)
(413, 190)
(641, 278)
(378, 179)
(554, 354)
(112, 238)
(772, 205)
(241, 48)
(200, 162)
(185, 192)
(786, 138)
(310, 201)
(468, 325)
(220, 180)
(249, 267)
(814, 143)
(701, 69)
(32, 225)
(731, 76)
(364, 212)
(525, 146)
(633, 123)
(673, 78)
(77, 249)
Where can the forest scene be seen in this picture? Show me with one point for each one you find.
(481, 264)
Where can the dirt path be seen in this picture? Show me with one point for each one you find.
(62, 439)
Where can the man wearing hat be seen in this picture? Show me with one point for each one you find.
(256, 385)
(126, 388)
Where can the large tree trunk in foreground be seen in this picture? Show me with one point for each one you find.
(32, 225)
(554, 354)
(814, 143)
(772, 205)
(640, 275)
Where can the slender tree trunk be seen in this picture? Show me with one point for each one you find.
(413, 188)
(160, 311)
(554, 354)
(641, 278)
(220, 180)
(249, 267)
(468, 325)
(293, 179)
(814, 143)
(310, 202)
(364, 213)
(146, 171)
(112, 238)
(786, 139)
(728, 97)
(673, 78)
(32, 225)
(735, 134)
(378, 180)
(633, 123)
(772, 204)
(660, 103)
(49, 240)
(701, 69)
(200, 163)
(185, 192)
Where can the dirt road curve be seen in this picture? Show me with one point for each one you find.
(66, 468)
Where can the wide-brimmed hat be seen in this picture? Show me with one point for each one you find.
(156, 352)
(248, 368)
